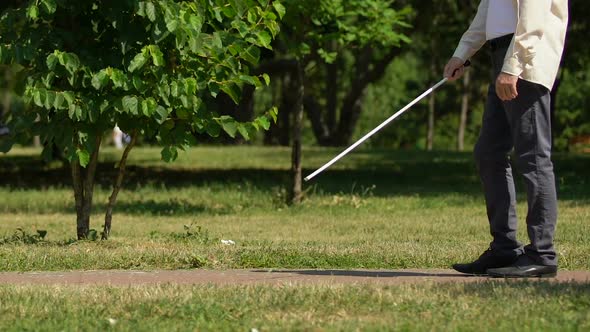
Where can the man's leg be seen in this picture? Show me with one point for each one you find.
(530, 123)
(491, 154)
(529, 116)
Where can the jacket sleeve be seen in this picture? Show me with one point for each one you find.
(529, 32)
(475, 37)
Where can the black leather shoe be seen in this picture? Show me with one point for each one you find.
(524, 267)
(487, 260)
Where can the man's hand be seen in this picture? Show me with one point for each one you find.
(506, 87)
(454, 69)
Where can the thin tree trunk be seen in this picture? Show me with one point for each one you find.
(464, 111)
(82, 224)
(367, 71)
(89, 180)
(430, 134)
(431, 111)
(83, 191)
(117, 187)
(332, 85)
(296, 192)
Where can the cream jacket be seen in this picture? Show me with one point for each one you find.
(536, 49)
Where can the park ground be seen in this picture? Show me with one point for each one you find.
(378, 209)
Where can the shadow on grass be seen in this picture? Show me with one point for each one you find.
(380, 172)
(538, 288)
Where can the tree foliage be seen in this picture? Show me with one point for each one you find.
(152, 67)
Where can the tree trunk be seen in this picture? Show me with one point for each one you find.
(464, 111)
(430, 134)
(332, 85)
(82, 221)
(116, 188)
(83, 191)
(296, 192)
(368, 70)
(431, 111)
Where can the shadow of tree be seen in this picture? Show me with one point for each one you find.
(384, 174)
(489, 289)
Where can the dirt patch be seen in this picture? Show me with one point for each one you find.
(244, 277)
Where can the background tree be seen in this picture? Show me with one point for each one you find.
(329, 51)
(152, 67)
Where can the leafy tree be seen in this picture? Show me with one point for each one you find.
(327, 47)
(152, 67)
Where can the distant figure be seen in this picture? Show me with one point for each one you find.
(118, 137)
(526, 38)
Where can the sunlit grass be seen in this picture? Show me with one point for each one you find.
(427, 212)
(485, 306)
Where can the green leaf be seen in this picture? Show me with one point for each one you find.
(279, 8)
(148, 106)
(190, 86)
(174, 89)
(118, 77)
(100, 80)
(83, 157)
(161, 114)
(70, 61)
(39, 97)
(157, 55)
(263, 122)
(252, 80)
(33, 12)
(139, 85)
(138, 61)
(49, 99)
(58, 103)
(169, 153)
(265, 39)
(232, 90)
(130, 104)
(251, 54)
(229, 125)
(69, 97)
(266, 79)
(251, 16)
(49, 6)
(150, 11)
(244, 131)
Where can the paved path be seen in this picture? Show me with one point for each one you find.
(242, 277)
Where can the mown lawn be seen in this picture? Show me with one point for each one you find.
(486, 306)
(376, 209)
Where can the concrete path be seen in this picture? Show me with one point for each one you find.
(245, 277)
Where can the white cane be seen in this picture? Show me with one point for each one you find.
(381, 126)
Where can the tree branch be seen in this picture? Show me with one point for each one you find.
(117, 187)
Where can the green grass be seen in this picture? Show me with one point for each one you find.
(377, 209)
(485, 306)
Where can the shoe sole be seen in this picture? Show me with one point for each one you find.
(509, 276)
(472, 273)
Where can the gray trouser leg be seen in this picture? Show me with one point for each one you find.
(523, 125)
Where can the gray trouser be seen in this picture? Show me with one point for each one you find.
(522, 125)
